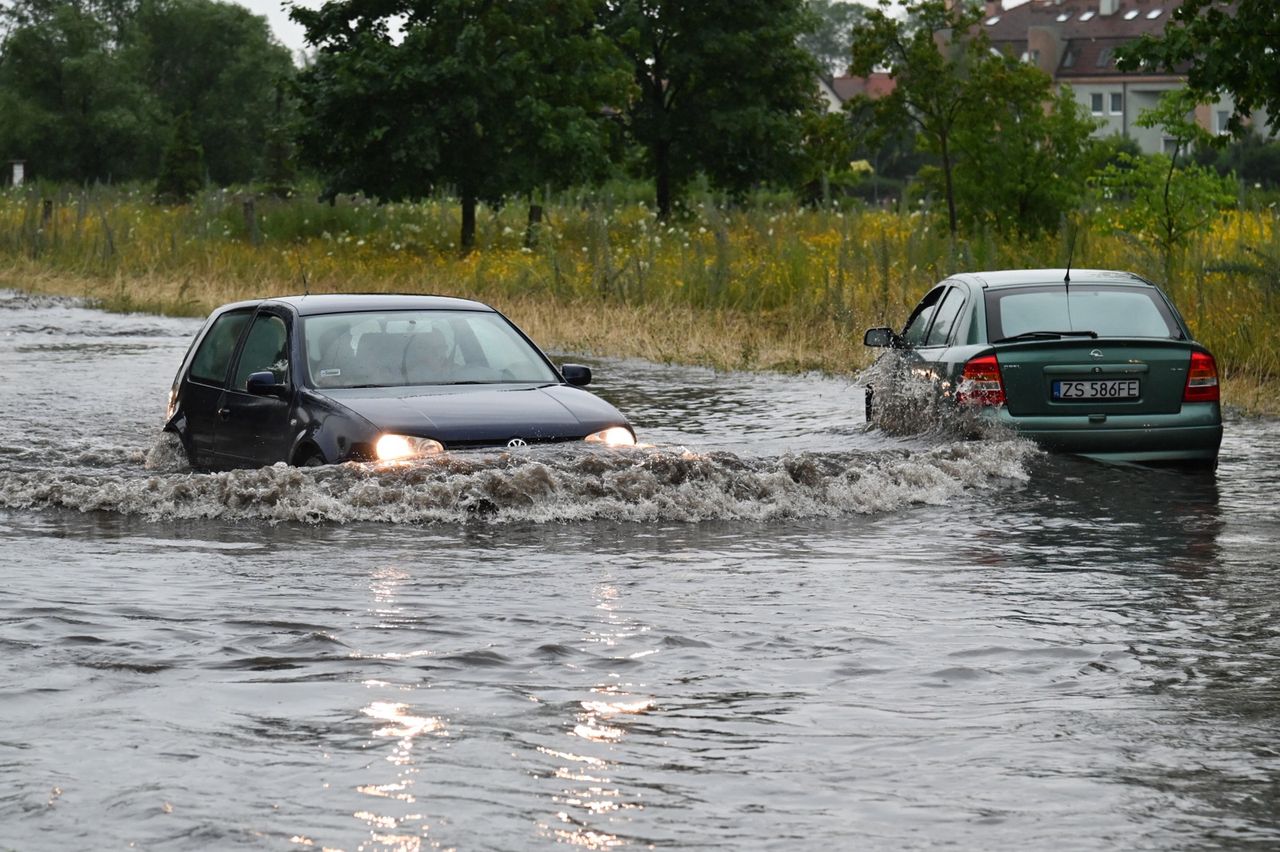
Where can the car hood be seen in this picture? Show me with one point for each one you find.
(481, 414)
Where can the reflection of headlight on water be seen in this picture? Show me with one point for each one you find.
(614, 436)
(400, 447)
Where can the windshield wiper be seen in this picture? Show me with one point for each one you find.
(1047, 335)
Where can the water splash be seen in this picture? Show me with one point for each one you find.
(166, 454)
(910, 400)
(551, 485)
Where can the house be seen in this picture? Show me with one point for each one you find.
(1075, 42)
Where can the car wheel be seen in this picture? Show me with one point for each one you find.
(312, 459)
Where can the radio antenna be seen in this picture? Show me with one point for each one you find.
(1066, 279)
(1071, 251)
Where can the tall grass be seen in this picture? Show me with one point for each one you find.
(774, 287)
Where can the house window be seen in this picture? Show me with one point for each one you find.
(1104, 57)
(1117, 103)
(1095, 103)
(1224, 122)
(1168, 145)
(1069, 58)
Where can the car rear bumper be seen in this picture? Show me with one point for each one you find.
(1192, 435)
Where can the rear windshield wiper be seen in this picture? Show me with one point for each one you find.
(1047, 335)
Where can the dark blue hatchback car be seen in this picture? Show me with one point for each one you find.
(330, 378)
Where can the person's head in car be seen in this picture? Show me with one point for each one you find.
(429, 357)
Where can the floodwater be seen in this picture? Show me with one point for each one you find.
(773, 629)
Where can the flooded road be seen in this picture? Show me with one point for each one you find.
(770, 630)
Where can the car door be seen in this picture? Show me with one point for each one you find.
(934, 347)
(205, 381)
(253, 429)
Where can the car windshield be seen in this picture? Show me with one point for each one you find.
(1081, 308)
(395, 348)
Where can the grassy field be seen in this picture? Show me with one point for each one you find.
(757, 288)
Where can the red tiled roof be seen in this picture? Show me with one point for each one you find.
(875, 86)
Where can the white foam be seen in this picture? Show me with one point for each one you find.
(555, 485)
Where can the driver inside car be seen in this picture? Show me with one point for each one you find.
(428, 358)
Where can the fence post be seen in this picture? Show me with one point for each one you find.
(251, 221)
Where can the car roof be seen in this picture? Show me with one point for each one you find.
(336, 303)
(1022, 277)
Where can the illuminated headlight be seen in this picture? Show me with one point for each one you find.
(399, 447)
(614, 436)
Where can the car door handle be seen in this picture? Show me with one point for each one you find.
(224, 413)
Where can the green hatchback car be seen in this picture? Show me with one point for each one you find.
(1083, 361)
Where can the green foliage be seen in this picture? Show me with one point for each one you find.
(72, 104)
(90, 90)
(1022, 151)
(182, 169)
(1219, 50)
(489, 98)
(1256, 161)
(1163, 203)
(829, 35)
(216, 61)
(828, 149)
(932, 71)
(721, 85)
(1009, 152)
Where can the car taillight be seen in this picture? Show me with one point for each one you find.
(980, 383)
(1202, 379)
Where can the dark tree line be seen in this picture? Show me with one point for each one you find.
(94, 90)
(402, 99)
(494, 99)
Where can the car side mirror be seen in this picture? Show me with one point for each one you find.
(881, 337)
(264, 383)
(576, 374)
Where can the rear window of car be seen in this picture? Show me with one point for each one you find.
(1106, 311)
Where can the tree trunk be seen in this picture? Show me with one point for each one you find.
(467, 241)
(662, 178)
(535, 222)
(946, 176)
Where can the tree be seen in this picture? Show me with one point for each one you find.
(218, 63)
(485, 98)
(830, 34)
(1220, 50)
(1167, 200)
(182, 169)
(91, 89)
(1021, 150)
(721, 86)
(72, 104)
(931, 57)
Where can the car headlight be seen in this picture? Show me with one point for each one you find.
(400, 447)
(614, 436)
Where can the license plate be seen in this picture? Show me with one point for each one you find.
(1097, 389)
